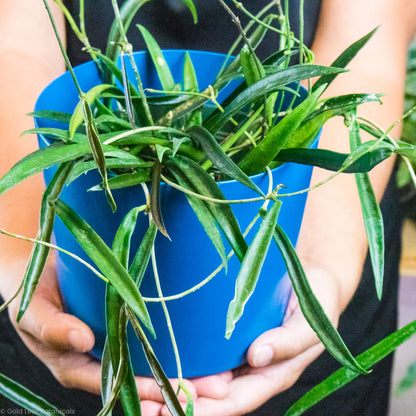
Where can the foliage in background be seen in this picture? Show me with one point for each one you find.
(404, 179)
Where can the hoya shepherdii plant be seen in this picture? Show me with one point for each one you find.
(116, 128)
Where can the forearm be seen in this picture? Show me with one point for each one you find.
(30, 60)
(333, 236)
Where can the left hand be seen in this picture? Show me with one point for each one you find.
(275, 360)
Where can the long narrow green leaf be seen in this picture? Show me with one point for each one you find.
(25, 398)
(251, 267)
(204, 215)
(97, 150)
(162, 67)
(269, 84)
(190, 84)
(205, 185)
(219, 159)
(141, 259)
(191, 6)
(334, 161)
(42, 159)
(343, 60)
(51, 115)
(116, 317)
(78, 114)
(373, 218)
(257, 160)
(310, 306)
(40, 252)
(344, 375)
(166, 388)
(155, 207)
(105, 260)
(329, 108)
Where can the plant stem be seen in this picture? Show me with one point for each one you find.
(74, 256)
(64, 54)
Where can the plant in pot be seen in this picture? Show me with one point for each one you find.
(176, 183)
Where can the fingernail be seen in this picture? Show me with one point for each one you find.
(263, 356)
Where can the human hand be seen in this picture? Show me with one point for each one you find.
(61, 341)
(276, 359)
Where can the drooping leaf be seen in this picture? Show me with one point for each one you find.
(310, 306)
(373, 219)
(344, 375)
(105, 260)
(40, 252)
(205, 185)
(251, 267)
(25, 398)
(333, 161)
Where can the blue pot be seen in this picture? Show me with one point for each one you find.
(199, 318)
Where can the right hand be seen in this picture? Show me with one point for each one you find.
(62, 342)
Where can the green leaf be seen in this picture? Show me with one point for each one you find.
(251, 267)
(310, 306)
(166, 388)
(126, 179)
(259, 157)
(191, 6)
(51, 115)
(204, 215)
(40, 252)
(190, 84)
(78, 115)
(205, 185)
(334, 161)
(373, 219)
(219, 159)
(25, 398)
(162, 67)
(141, 259)
(97, 150)
(42, 159)
(155, 208)
(344, 375)
(329, 108)
(83, 166)
(343, 60)
(59, 134)
(267, 85)
(105, 260)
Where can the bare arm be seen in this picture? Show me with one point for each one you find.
(332, 243)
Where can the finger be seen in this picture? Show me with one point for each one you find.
(215, 386)
(282, 343)
(45, 321)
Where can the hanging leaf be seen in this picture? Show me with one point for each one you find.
(373, 219)
(105, 260)
(25, 398)
(251, 267)
(344, 375)
(310, 306)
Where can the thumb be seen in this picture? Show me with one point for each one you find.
(46, 322)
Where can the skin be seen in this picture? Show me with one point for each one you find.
(332, 225)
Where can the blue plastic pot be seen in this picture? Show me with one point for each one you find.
(199, 318)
